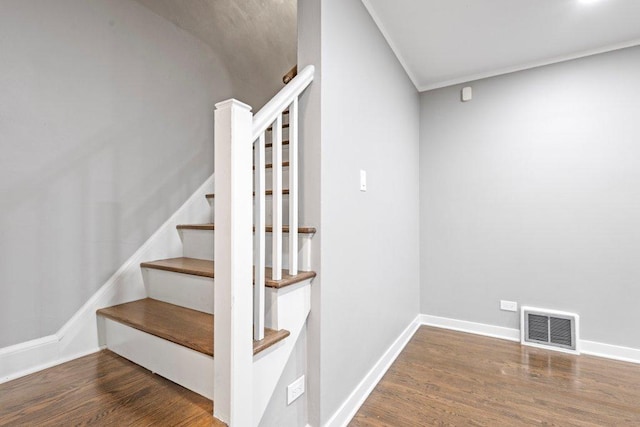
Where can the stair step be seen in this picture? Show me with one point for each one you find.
(267, 193)
(211, 227)
(284, 126)
(204, 268)
(188, 328)
(270, 144)
(196, 267)
(270, 165)
(183, 326)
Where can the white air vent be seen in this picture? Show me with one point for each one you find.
(555, 330)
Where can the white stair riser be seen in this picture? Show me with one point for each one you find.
(268, 208)
(199, 244)
(189, 368)
(285, 154)
(185, 290)
(269, 178)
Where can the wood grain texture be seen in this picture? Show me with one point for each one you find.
(290, 75)
(270, 165)
(205, 268)
(194, 266)
(269, 228)
(101, 389)
(271, 337)
(189, 328)
(452, 378)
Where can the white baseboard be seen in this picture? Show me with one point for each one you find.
(350, 407)
(624, 354)
(79, 336)
(592, 348)
(471, 327)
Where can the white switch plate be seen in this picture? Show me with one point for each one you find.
(295, 390)
(467, 94)
(363, 180)
(508, 305)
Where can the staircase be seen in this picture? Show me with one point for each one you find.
(207, 328)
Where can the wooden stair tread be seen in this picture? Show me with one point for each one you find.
(271, 337)
(267, 193)
(211, 227)
(270, 144)
(204, 268)
(188, 328)
(193, 266)
(284, 126)
(270, 165)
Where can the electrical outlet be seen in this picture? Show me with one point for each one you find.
(295, 390)
(508, 305)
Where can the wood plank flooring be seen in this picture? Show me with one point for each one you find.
(456, 379)
(101, 389)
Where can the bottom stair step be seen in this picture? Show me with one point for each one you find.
(183, 326)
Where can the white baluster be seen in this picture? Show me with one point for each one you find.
(293, 188)
(276, 262)
(259, 240)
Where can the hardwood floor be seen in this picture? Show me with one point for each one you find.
(101, 389)
(456, 379)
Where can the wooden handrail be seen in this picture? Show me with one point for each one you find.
(290, 75)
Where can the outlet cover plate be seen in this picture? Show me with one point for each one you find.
(295, 390)
(508, 305)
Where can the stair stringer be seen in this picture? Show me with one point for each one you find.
(290, 307)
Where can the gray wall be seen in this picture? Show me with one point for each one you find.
(309, 53)
(370, 265)
(278, 413)
(531, 193)
(106, 128)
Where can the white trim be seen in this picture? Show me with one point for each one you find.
(484, 75)
(350, 406)
(527, 66)
(609, 351)
(391, 43)
(508, 334)
(189, 368)
(79, 336)
(592, 348)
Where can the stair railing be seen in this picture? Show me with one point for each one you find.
(239, 314)
(271, 116)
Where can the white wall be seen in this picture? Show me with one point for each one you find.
(531, 193)
(370, 273)
(106, 128)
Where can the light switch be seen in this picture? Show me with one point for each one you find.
(363, 180)
(467, 94)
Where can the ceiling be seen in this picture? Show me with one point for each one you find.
(445, 42)
(256, 39)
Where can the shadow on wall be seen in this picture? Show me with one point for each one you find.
(257, 40)
(106, 127)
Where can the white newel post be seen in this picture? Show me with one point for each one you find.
(233, 243)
